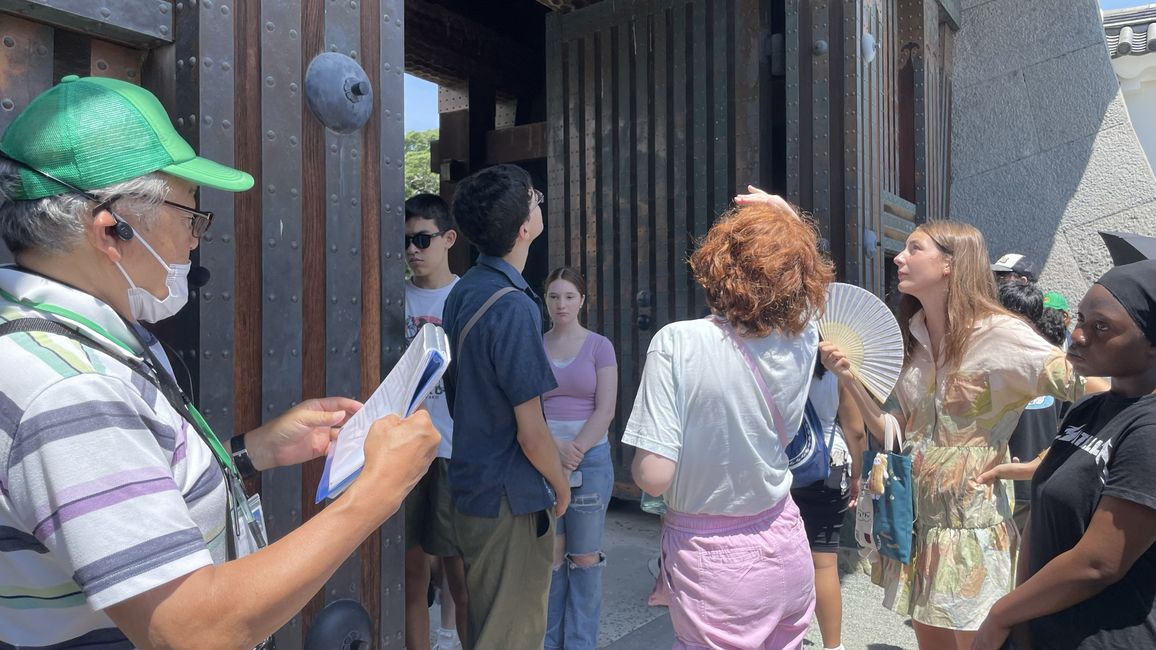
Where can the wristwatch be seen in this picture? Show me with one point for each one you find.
(241, 457)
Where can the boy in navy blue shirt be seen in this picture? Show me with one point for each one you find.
(505, 475)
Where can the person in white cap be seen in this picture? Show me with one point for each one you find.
(1014, 267)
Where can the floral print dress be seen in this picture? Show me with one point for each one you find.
(958, 426)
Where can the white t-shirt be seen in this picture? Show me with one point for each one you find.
(824, 396)
(699, 406)
(425, 306)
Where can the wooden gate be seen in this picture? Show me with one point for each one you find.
(653, 123)
(306, 297)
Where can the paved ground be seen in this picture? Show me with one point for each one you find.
(628, 624)
(631, 541)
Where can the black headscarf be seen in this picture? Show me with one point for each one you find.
(1134, 285)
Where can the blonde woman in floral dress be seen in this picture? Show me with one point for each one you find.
(970, 369)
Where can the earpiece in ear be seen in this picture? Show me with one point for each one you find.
(123, 230)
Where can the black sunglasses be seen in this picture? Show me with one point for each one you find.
(422, 239)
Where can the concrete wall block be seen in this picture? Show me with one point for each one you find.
(968, 4)
(1073, 96)
(1011, 204)
(1062, 271)
(1087, 246)
(1004, 35)
(1102, 174)
(993, 125)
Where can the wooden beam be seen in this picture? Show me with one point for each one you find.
(516, 144)
(949, 12)
(565, 6)
(136, 23)
(448, 48)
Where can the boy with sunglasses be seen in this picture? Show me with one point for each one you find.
(429, 235)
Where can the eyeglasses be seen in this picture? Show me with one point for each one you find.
(537, 197)
(200, 221)
(422, 239)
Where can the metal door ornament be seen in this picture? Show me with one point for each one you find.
(338, 92)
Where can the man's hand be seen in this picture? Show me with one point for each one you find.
(302, 433)
(561, 499)
(397, 454)
(570, 454)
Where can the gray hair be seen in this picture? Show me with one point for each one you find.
(56, 223)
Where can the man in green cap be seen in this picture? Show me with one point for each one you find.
(123, 520)
(1056, 301)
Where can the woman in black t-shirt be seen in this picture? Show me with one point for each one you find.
(1087, 575)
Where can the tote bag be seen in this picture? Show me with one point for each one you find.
(885, 515)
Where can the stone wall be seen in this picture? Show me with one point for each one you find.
(1044, 154)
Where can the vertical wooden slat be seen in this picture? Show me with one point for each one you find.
(794, 92)
(720, 143)
(590, 217)
(247, 367)
(682, 163)
(643, 200)
(625, 221)
(745, 52)
(373, 583)
(701, 180)
(574, 253)
(391, 215)
(281, 272)
(608, 124)
(313, 327)
(846, 188)
(557, 151)
(821, 118)
(662, 284)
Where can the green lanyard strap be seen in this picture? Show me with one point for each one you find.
(155, 373)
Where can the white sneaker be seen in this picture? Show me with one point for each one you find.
(448, 640)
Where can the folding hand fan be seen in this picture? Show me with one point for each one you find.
(864, 328)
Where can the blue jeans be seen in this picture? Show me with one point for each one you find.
(575, 590)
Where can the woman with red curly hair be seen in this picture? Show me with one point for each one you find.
(719, 398)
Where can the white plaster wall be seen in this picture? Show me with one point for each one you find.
(1137, 77)
(1044, 153)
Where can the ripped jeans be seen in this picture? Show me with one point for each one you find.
(575, 590)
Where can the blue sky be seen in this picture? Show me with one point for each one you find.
(421, 104)
(421, 97)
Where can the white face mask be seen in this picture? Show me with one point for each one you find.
(146, 307)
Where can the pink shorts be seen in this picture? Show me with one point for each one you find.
(739, 582)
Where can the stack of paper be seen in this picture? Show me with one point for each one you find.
(412, 380)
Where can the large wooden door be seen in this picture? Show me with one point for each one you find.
(654, 125)
(306, 296)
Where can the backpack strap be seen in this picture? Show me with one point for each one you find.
(480, 312)
(745, 351)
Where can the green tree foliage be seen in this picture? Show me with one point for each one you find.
(418, 177)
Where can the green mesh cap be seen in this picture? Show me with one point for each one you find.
(95, 131)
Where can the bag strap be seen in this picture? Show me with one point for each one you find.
(892, 433)
(168, 388)
(745, 351)
(480, 312)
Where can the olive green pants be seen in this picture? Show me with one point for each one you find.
(508, 560)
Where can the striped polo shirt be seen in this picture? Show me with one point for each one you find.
(105, 491)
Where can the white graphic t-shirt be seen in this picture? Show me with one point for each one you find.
(425, 306)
